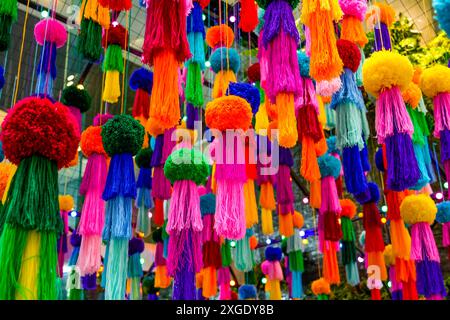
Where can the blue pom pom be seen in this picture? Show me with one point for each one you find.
(135, 245)
(247, 291)
(329, 166)
(142, 79)
(331, 144)
(208, 204)
(246, 91)
(374, 192)
(442, 10)
(2, 78)
(273, 254)
(226, 58)
(303, 62)
(443, 214)
(195, 20)
(379, 160)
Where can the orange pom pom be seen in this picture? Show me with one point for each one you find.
(91, 141)
(220, 36)
(348, 208)
(253, 242)
(320, 286)
(412, 95)
(229, 112)
(154, 127)
(387, 13)
(417, 75)
(298, 220)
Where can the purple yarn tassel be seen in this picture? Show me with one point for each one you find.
(192, 115)
(184, 285)
(382, 38)
(429, 278)
(89, 281)
(355, 179)
(278, 17)
(445, 145)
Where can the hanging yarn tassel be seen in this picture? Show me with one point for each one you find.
(229, 113)
(32, 220)
(321, 288)
(396, 286)
(443, 217)
(8, 16)
(271, 267)
(295, 253)
(78, 101)
(381, 19)
(144, 185)
(51, 35)
(352, 23)
(185, 168)
(162, 279)
(385, 74)
(348, 241)
(420, 211)
(122, 139)
(142, 82)
(285, 194)
(92, 220)
(116, 5)
(248, 16)
(244, 260)
(135, 247)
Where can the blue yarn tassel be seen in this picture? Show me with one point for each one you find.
(364, 154)
(351, 270)
(46, 69)
(355, 180)
(118, 219)
(424, 178)
(192, 114)
(348, 93)
(297, 285)
(196, 35)
(116, 273)
(74, 256)
(144, 178)
(195, 20)
(157, 151)
(121, 179)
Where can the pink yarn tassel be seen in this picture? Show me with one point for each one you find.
(330, 199)
(285, 194)
(89, 258)
(308, 41)
(77, 115)
(395, 285)
(208, 229)
(161, 186)
(178, 256)
(326, 88)
(184, 212)
(307, 96)
(223, 279)
(94, 179)
(273, 270)
(446, 234)
(263, 61)
(423, 245)
(391, 115)
(441, 104)
(230, 209)
(168, 144)
(229, 155)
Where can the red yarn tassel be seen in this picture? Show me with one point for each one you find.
(308, 124)
(372, 225)
(248, 16)
(332, 229)
(409, 290)
(141, 106)
(376, 294)
(393, 201)
(158, 216)
(339, 187)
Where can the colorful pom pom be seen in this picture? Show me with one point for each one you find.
(143, 158)
(298, 220)
(91, 141)
(247, 291)
(186, 164)
(142, 79)
(101, 119)
(329, 166)
(389, 257)
(435, 80)
(52, 31)
(66, 202)
(229, 112)
(349, 54)
(348, 208)
(386, 69)
(443, 213)
(35, 126)
(116, 34)
(246, 91)
(320, 286)
(122, 134)
(355, 8)
(273, 254)
(253, 242)
(73, 96)
(208, 204)
(303, 62)
(412, 95)
(254, 72)
(220, 36)
(225, 59)
(332, 146)
(418, 208)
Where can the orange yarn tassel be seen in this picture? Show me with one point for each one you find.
(405, 270)
(213, 179)
(275, 289)
(165, 102)
(162, 279)
(267, 203)
(330, 265)
(352, 30)
(266, 221)
(309, 167)
(209, 282)
(377, 259)
(400, 239)
(315, 194)
(321, 147)
(251, 212)
(286, 224)
(287, 124)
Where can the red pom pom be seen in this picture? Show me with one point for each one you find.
(348, 208)
(349, 53)
(254, 72)
(248, 16)
(36, 126)
(220, 36)
(115, 35)
(91, 141)
(203, 3)
(116, 5)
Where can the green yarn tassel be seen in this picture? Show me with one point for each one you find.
(418, 136)
(113, 59)
(47, 275)
(90, 40)
(32, 201)
(76, 294)
(9, 7)
(323, 297)
(348, 232)
(261, 92)
(250, 277)
(61, 293)
(2, 218)
(348, 252)
(8, 15)
(194, 88)
(296, 261)
(421, 121)
(225, 250)
(244, 255)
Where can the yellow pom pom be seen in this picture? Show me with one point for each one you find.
(418, 208)
(386, 69)
(412, 95)
(435, 80)
(389, 258)
(320, 286)
(66, 203)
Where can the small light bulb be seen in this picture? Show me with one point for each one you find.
(283, 237)
(360, 214)
(80, 87)
(360, 259)
(150, 214)
(339, 220)
(305, 241)
(389, 284)
(383, 220)
(264, 280)
(268, 241)
(439, 196)
(142, 260)
(305, 200)
(70, 83)
(233, 244)
(203, 17)
(44, 14)
(384, 208)
(232, 283)
(115, 24)
(446, 185)
(207, 64)
(302, 233)
(71, 77)
(232, 19)
(73, 214)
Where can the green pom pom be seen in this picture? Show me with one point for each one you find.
(143, 158)
(113, 59)
(186, 164)
(122, 134)
(75, 97)
(264, 3)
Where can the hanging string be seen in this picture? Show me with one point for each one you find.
(220, 34)
(103, 79)
(24, 32)
(437, 167)
(47, 76)
(66, 63)
(226, 21)
(34, 67)
(42, 58)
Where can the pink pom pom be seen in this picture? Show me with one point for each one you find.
(327, 88)
(356, 8)
(265, 267)
(52, 31)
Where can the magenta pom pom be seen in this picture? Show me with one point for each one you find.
(52, 31)
(356, 8)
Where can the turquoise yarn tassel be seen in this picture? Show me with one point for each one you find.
(349, 124)
(351, 270)
(331, 116)
(297, 285)
(358, 75)
(134, 274)
(427, 161)
(105, 264)
(116, 273)
(424, 178)
(197, 47)
(144, 202)
(244, 255)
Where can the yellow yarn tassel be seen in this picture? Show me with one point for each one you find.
(315, 194)
(8, 184)
(165, 102)
(90, 10)
(261, 120)
(400, 239)
(286, 224)
(209, 282)
(377, 259)
(162, 279)
(81, 13)
(223, 78)
(251, 212)
(275, 289)
(287, 124)
(111, 93)
(266, 221)
(27, 283)
(322, 113)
